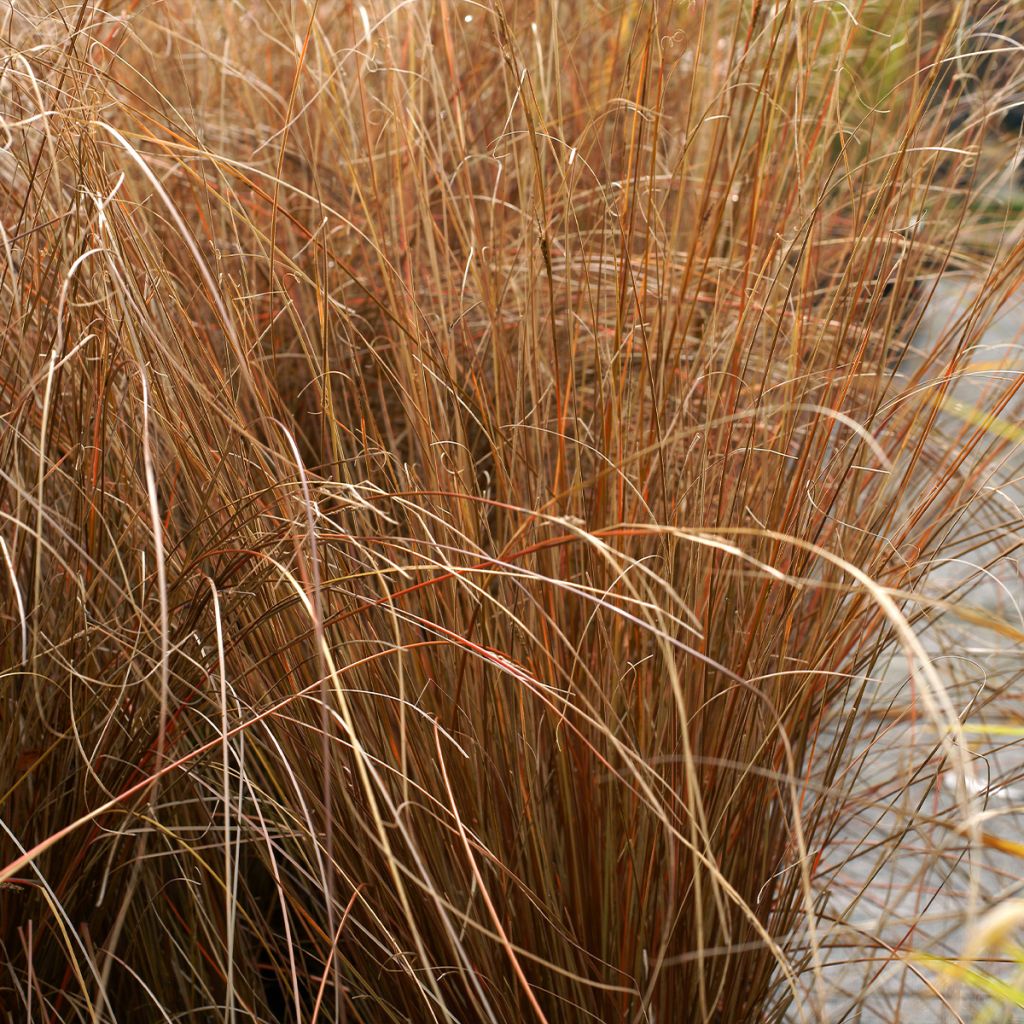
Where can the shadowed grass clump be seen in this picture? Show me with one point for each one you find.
(454, 479)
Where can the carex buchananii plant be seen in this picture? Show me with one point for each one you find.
(453, 476)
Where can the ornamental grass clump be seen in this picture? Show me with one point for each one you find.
(456, 475)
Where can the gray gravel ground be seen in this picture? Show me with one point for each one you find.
(904, 877)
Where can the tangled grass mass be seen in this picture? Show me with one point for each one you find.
(501, 518)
